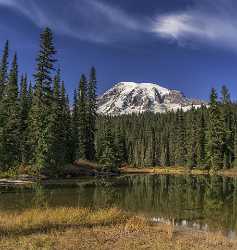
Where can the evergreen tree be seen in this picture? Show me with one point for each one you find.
(192, 141)
(74, 127)
(30, 95)
(24, 111)
(66, 124)
(4, 69)
(57, 140)
(10, 120)
(40, 114)
(228, 124)
(120, 148)
(180, 152)
(165, 152)
(216, 134)
(225, 95)
(201, 139)
(107, 158)
(235, 147)
(92, 108)
(83, 119)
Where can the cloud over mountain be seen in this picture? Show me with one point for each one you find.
(202, 22)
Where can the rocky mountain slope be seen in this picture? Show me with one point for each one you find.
(131, 97)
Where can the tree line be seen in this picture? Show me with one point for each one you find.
(204, 138)
(39, 127)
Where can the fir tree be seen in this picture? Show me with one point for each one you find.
(192, 142)
(165, 152)
(107, 158)
(216, 133)
(92, 108)
(24, 111)
(30, 95)
(201, 139)
(235, 147)
(120, 154)
(225, 95)
(66, 124)
(180, 152)
(40, 114)
(228, 123)
(83, 119)
(4, 69)
(57, 140)
(10, 117)
(74, 127)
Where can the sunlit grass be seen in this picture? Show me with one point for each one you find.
(49, 218)
(79, 228)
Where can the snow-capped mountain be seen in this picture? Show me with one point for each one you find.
(131, 97)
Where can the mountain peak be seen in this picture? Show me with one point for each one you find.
(143, 85)
(132, 97)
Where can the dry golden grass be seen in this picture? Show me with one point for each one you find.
(163, 170)
(71, 228)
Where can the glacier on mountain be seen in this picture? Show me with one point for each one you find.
(131, 97)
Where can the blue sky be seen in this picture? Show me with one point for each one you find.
(189, 45)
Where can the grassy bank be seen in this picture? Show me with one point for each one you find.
(71, 228)
(178, 171)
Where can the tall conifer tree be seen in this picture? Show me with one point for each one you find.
(10, 116)
(180, 152)
(192, 142)
(201, 137)
(24, 111)
(216, 133)
(82, 119)
(4, 69)
(74, 126)
(92, 108)
(40, 114)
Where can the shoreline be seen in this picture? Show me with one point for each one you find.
(178, 171)
(28, 180)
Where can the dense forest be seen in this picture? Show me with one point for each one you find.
(204, 138)
(41, 129)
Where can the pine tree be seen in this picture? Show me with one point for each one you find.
(107, 158)
(10, 120)
(40, 114)
(24, 111)
(228, 123)
(4, 69)
(57, 142)
(192, 140)
(92, 108)
(67, 124)
(30, 95)
(120, 154)
(74, 147)
(165, 151)
(201, 137)
(83, 119)
(235, 147)
(225, 95)
(216, 134)
(180, 151)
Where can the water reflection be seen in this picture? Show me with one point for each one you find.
(200, 202)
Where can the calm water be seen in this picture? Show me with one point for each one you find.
(207, 203)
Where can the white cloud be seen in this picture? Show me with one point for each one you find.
(212, 22)
(204, 22)
(85, 19)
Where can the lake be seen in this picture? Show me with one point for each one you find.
(201, 202)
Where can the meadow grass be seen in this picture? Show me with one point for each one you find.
(80, 228)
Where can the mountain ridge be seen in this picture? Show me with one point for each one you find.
(133, 97)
